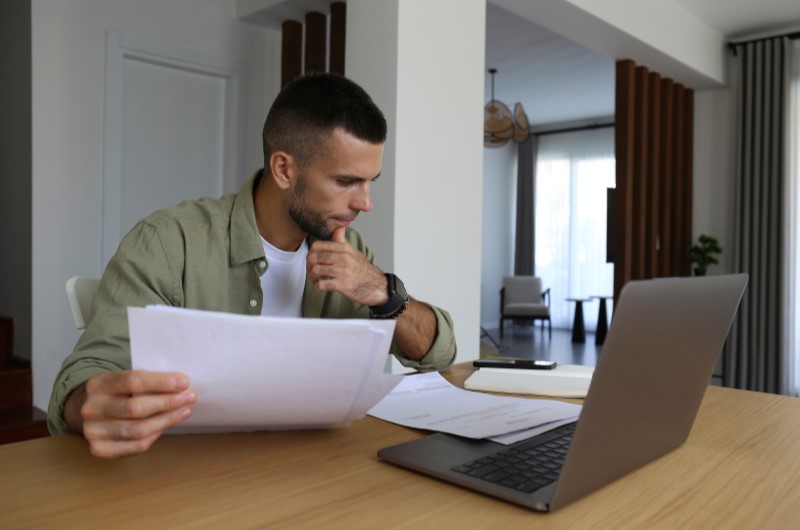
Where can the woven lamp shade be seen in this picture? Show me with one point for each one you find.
(521, 124)
(498, 124)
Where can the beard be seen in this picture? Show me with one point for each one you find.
(308, 219)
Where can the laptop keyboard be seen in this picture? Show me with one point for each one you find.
(527, 466)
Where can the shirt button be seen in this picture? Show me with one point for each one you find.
(262, 264)
(253, 303)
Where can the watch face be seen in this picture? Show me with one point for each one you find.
(398, 299)
(400, 289)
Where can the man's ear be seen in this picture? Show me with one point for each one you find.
(282, 169)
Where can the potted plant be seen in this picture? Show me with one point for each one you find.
(703, 254)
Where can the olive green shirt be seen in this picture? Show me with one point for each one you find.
(203, 254)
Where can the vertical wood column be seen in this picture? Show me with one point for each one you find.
(294, 62)
(623, 196)
(667, 177)
(688, 180)
(653, 210)
(291, 51)
(640, 159)
(337, 41)
(316, 39)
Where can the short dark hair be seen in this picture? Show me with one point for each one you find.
(307, 111)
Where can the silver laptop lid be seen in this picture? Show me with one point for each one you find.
(650, 379)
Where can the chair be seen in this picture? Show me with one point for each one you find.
(522, 298)
(80, 291)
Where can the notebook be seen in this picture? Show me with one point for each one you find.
(651, 376)
(565, 381)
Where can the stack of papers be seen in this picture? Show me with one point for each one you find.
(428, 401)
(262, 373)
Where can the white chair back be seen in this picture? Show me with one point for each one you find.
(80, 291)
(523, 289)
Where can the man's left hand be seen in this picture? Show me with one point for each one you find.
(336, 266)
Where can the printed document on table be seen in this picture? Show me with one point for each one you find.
(262, 373)
(428, 401)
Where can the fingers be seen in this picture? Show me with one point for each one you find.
(135, 382)
(125, 412)
(125, 438)
(136, 406)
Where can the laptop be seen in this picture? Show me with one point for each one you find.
(651, 376)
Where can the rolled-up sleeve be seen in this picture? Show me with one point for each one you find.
(140, 273)
(443, 351)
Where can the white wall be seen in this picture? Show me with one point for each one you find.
(499, 227)
(433, 163)
(68, 72)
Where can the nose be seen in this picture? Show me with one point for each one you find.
(362, 201)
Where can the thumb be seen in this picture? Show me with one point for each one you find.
(338, 235)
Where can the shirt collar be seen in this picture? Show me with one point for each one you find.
(245, 238)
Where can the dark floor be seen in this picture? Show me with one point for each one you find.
(530, 342)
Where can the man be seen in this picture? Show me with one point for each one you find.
(281, 247)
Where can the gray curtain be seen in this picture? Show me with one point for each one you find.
(525, 253)
(753, 357)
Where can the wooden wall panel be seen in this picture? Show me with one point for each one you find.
(653, 175)
(653, 201)
(319, 56)
(679, 167)
(291, 51)
(639, 220)
(316, 42)
(667, 179)
(688, 184)
(337, 41)
(623, 196)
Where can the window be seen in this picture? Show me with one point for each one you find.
(573, 172)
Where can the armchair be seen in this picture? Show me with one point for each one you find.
(522, 298)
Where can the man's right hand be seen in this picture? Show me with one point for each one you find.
(123, 413)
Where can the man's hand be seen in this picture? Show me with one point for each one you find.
(123, 413)
(336, 266)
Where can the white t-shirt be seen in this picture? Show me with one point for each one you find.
(284, 281)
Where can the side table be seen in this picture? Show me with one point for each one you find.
(602, 320)
(578, 327)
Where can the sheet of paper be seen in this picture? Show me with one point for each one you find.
(261, 373)
(514, 437)
(428, 401)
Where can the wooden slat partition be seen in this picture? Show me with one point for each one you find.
(318, 56)
(291, 51)
(653, 174)
(337, 41)
(665, 197)
(653, 203)
(316, 42)
(623, 197)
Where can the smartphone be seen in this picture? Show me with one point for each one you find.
(526, 364)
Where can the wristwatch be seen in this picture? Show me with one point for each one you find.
(398, 299)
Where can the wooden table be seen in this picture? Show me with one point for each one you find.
(740, 468)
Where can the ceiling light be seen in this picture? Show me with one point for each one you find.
(499, 125)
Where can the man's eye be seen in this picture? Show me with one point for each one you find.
(346, 182)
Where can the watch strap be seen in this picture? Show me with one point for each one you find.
(397, 302)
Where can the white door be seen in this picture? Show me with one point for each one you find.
(171, 121)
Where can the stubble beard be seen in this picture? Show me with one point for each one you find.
(310, 221)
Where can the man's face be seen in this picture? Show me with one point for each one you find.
(335, 187)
